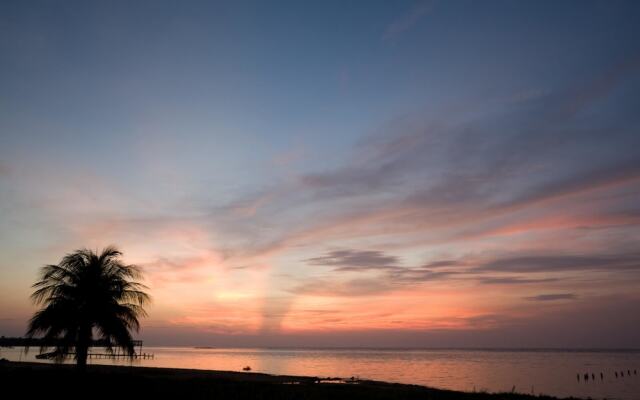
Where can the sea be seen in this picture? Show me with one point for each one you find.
(561, 373)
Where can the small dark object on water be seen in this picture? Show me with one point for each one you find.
(247, 368)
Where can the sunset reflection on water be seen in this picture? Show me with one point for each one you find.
(540, 372)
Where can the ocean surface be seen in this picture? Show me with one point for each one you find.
(552, 372)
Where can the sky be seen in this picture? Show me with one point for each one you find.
(348, 173)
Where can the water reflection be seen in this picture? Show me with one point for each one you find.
(548, 372)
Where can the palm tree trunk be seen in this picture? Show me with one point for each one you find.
(81, 357)
(82, 347)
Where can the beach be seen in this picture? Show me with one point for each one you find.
(104, 381)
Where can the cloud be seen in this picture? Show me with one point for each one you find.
(450, 181)
(192, 270)
(616, 173)
(389, 275)
(408, 20)
(350, 288)
(560, 263)
(514, 280)
(353, 260)
(417, 275)
(602, 86)
(444, 263)
(552, 297)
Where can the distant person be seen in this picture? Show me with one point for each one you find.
(601, 376)
(586, 377)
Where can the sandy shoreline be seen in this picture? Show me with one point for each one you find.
(109, 381)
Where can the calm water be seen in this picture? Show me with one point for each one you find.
(548, 372)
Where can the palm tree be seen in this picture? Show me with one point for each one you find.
(87, 293)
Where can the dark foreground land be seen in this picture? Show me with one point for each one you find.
(33, 380)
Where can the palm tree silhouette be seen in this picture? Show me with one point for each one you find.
(87, 293)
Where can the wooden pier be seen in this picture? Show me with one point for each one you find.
(136, 356)
(117, 352)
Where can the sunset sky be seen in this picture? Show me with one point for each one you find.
(349, 173)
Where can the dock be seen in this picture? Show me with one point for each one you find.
(117, 352)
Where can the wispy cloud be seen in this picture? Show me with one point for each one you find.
(558, 263)
(552, 297)
(511, 280)
(348, 260)
(506, 172)
(338, 288)
(408, 20)
(444, 263)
